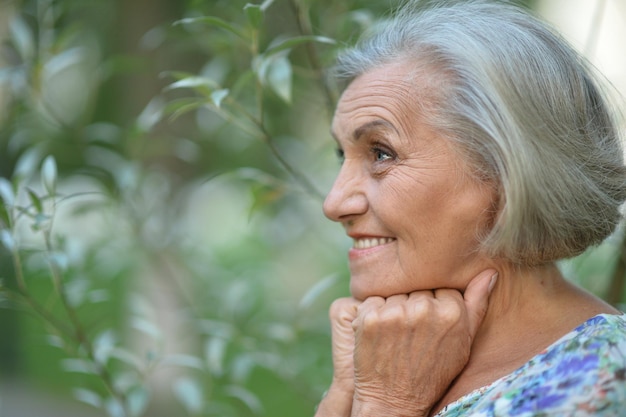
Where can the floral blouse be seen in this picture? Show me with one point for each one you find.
(581, 374)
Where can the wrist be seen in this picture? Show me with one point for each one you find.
(337, 401)
(342, 386)
(388, 407)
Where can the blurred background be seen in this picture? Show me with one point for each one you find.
(162, 167)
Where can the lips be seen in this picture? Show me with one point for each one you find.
(366, 243)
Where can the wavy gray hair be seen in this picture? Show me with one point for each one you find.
(525, 111)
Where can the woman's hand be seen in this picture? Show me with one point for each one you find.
(338, 399)
(409, 348)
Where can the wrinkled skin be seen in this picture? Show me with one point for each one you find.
(420, 286)
(396, 356)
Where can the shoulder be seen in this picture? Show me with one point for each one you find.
(581, 374)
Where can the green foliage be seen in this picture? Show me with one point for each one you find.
(159, 253)
(160, 205)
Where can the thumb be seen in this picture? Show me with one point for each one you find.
(476, 298)
(342, 313)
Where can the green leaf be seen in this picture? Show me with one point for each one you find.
(218, 95)
(181, 106)
(177, 75)
(6, 192)
(76, 291)
(56, 341)
(103, 344)
(49, 174)
(264, 194)
(217, 328)
(181, 360)
(279, 77)
(35, 200)
(146, 327)
(5, 218)
(151, 114)
(61, 262)
(189, 393)
(214, 21)
(41, 221)
(245, 80)
(246, 397)
(138, 401)
(266, 4)
(254, 13)
(23, 38)
(214, 352)
(194, 82)
(7, 240)
(88, 397)
(241, 367)
(114, 408)
(98, 296)
(127, 357)
(27, 163)
(287, 44)
(79, 366)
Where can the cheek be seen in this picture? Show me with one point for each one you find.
(409, 187)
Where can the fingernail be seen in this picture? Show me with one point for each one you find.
(492, 283)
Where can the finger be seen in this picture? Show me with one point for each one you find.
(370, 304)
(396, 299)
(343, 310)
(448, 294)
(476, 298)
(421, 301)
(368, 307)
(422, 295)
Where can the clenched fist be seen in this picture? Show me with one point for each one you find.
(397, 356)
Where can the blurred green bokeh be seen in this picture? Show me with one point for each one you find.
(174, 256)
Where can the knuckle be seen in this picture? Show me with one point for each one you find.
(451, 313)
(368, 321)
(393, 313)
(420, 309)
(340, 307)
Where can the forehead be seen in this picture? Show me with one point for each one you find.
(387, 97)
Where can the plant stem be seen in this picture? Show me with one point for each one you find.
(297, 175)
(264, 135)
(306, 29)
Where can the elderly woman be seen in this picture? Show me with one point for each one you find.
(476, 151)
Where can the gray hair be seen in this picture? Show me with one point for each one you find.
(525, 111)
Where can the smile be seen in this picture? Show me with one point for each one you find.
(371, 242)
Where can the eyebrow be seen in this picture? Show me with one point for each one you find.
(373, 125)
(368, 127)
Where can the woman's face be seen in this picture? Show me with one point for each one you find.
(403, 195)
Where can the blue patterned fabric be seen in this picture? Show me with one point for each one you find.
(581, 374)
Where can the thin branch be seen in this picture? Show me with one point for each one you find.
(297, 175)
(306, 29)
(264, 135)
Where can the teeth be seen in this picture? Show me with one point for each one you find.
(370, 243)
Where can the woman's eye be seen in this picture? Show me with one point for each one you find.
(381, 155)
(340, 155)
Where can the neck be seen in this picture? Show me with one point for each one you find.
(520, 288)
(529, 308)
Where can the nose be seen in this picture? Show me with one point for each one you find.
(346, 199)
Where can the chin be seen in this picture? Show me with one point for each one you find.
(361, 292)
(358, 292)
